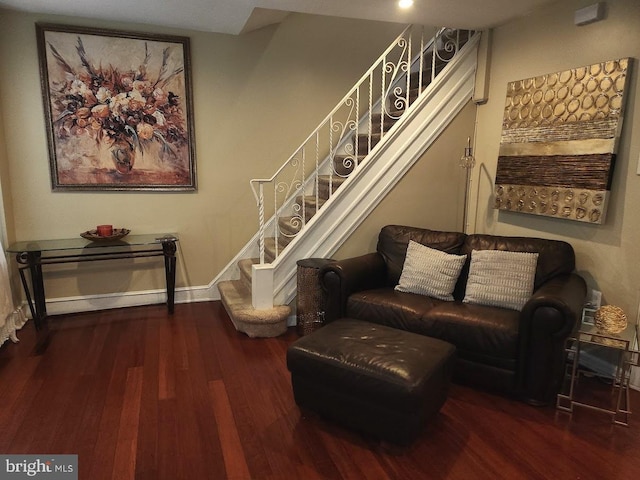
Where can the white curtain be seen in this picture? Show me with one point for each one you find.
(11, 318)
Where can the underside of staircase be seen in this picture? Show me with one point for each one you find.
(373, 166)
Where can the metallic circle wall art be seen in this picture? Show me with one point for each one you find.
(559, 139)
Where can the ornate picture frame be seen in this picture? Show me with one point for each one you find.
(118, 109)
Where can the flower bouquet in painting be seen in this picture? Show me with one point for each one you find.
(118, 110)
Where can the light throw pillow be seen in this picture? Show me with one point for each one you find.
(430, 272)
(501, 279)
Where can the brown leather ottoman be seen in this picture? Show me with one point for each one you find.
(380, 380)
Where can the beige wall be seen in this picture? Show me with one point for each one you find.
(256, 97)
(607, 255)
(5, 188)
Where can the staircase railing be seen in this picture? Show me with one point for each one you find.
(343, 140)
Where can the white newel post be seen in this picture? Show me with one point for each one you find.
(262, 286)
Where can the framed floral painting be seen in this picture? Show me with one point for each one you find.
(118, 107)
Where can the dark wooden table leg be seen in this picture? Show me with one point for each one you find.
(37, 304)
(169, 250)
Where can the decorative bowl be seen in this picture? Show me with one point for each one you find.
(610, 319)
(117, 234)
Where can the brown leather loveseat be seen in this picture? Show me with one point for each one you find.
(516, 352)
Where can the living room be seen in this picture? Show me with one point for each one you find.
(256, 95)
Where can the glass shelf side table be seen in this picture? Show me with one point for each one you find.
(32, 255)
(615, 399)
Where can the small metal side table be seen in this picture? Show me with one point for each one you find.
(616, 402)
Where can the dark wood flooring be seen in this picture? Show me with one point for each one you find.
(139, 394)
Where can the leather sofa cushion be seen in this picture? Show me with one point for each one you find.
(484, 334)
(393, 241)
(387, 306)
(488, 335)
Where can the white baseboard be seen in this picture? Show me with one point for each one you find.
(89, 303)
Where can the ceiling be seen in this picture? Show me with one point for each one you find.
(239, 16)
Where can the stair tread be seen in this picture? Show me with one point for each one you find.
(346, 156)
(290, 225)
(390, 115)
(377, 135)
(236, 298)
(235, 295)
(270, 246)
(270, 249)
(311, 201)
(334, 179)
(389, 120)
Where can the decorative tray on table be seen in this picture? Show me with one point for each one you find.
(117, 234)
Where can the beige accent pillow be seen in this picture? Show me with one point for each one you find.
(501, 279)
(431, 272)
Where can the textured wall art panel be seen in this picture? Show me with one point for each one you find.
(559, 138)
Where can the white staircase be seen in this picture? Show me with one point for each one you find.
(320, 211)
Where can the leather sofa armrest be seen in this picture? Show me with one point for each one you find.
(546, 321)
(344, 277)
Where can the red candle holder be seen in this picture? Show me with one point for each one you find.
(104, 230)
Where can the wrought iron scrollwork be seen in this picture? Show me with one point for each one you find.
(348, 134)
(22, 258)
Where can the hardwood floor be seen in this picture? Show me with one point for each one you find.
(139, 394)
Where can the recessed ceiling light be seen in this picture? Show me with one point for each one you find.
(405, 3)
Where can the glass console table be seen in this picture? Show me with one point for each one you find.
(615, 399)
(32, 255)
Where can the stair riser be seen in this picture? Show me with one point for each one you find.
(285, 239)
(414, 80)
(363, 143)
(288, 231)
(323, 191)
(323, 187)
(310, 211)
(310, 206)
(388, 122)
(270, 249)
(245, 278)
